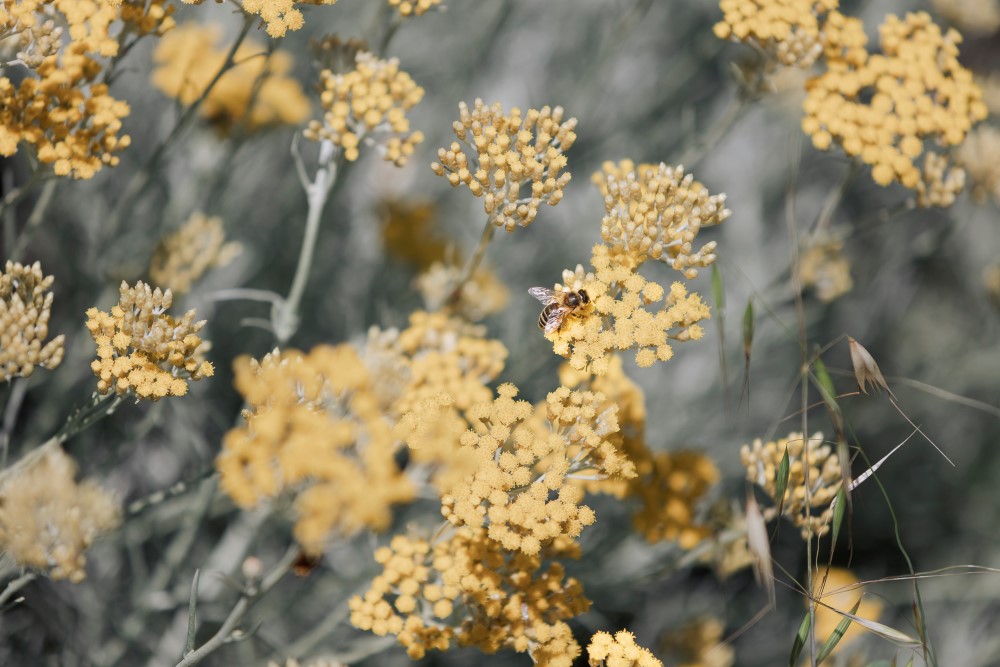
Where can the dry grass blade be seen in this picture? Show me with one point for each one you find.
(760, 547)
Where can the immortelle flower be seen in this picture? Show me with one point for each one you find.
(824, 268)
(47, 519)
(790, 31)
(140, 348)
(182, 258)
(466, 588)
(278, 16)
(978, 157)
(155, 17)
(656, 212)
(314, 427)
(25, 308)
(369, 104)
(839, 589)
(699, 644)
(189, 57)
(505, 153)
(884, 108)
(619, 650)
(59, 108)
(762, 462)
(413, 7)
(481, 295)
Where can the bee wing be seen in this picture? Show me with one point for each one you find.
(556, 318)
(544, 294)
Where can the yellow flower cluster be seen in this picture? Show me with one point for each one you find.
(617, 318)
(656, 212)
(509, 153)
(824, 268)
(155, 17)
(141, 348)
(279, 16)
(47, 519)
(839, 589)
(314, 426)
(762, 462)
(408, 232)
(699, 644)
(413, 7)
(981, 17)
(467, 588)
(790, 31)
(25, 307)
(369, 103)
(940, 181)
(619, 651)
(481, 295)
(523, 504)
(882, 108)
(187, 60)
(59, 108)
(978, 157)
(183, 257)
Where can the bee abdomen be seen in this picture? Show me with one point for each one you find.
(543, 318)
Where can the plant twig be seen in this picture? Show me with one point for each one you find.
(14, 586)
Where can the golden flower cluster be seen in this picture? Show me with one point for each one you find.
(468, 589)
(978, 157)
(155, 17)
(981, 17)
(699, 644)
(187, 60)
(617, 317)
(25, 308)
(837, 589)
(882, 108)
(369, 103)
(47, 519)
(824, 268)
(279, 16)
(59, 108)
(656, 211)
(30, 44)
(413, 7)
(481, 295)
(314, 426)
(522, 488)
(182, 258)
(619, 650)
(142, 348)
(790, 31)
(506, 153)
(762, 462)
(940, 181)
(408, 232)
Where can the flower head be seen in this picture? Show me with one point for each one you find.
(369, 103)
(825, 268)
(978, 157)
(700, 644)
(790, 31)
(413, 7)
(183, 257)
(279, 16)
(141, 348)
(47, 519)
(619, 651)
(504, 154)
(481, 295)
(25, 305)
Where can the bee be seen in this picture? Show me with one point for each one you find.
(558, 306)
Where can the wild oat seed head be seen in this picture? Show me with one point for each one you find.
(656, 212)
(47, 519)
(618, 317)
(413, 7)
(467, 589)
(979, 17)
(369, 104)
(182, 258)
(514, 163)
(619, 651)
(882, 108)
(790, 31)
(140, 348)
(59, 108)
(187, 60)
(824, 268)
(25, 309)
(978, 157)
(316, 428)
(762, 461)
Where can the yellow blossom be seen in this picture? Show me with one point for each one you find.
(279, 16)
(188, 59)
(699, 644)
(619, 651)
(25, 305)
(413, 7)
(316, 427)
(656, 212)
(142, 349)
(481, 295)
(467, 589)
(940, 181)
(183, 257)
(838, 589)
(882, 108)
(824, 268)
(790, 31)
(978, 157)
(369, 104)
(155, 17)
(408, 232)
(762, 462)
(506, 153)
(47, 519)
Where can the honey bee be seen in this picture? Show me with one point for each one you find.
(558, 306)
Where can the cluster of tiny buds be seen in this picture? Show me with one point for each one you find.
(25, 309)
(414, 7)
(506, 153)
(38, 43)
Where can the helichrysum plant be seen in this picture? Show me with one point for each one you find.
(183, 257)
(25, 309)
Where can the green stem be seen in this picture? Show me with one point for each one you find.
(477, 257)
(35, 219)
